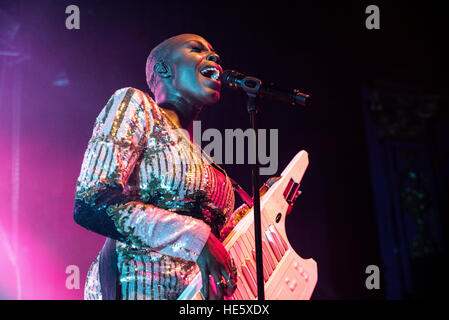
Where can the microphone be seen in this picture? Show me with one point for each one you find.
(254, 86)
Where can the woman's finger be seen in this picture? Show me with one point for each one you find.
(205, 280)
(230, 282)
(218, 283)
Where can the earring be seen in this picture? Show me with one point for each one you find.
(161, 69)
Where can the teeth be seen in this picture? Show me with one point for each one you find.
(215, 75)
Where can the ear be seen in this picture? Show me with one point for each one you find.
(162, 70)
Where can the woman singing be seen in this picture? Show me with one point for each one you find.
(150, 190)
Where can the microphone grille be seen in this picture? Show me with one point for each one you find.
(229, 77)
(225, 77)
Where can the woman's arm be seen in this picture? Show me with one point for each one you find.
(119, 136)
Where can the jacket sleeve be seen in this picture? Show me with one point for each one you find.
(119, 136)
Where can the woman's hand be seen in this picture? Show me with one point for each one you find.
(215, 261)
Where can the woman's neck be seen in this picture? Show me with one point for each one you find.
(180, 112)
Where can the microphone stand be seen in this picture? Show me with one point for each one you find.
(251, 86)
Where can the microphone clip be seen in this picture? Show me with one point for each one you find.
(251, 85)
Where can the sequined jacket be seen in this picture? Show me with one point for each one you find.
(146, 185)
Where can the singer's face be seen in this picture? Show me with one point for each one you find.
(196, 70)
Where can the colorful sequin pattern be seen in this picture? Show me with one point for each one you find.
(176, 196)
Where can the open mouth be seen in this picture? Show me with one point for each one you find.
(211, 73)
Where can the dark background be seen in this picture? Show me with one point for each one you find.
(322, 48)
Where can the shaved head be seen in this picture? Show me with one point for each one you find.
(184, 68)
(161, 53)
